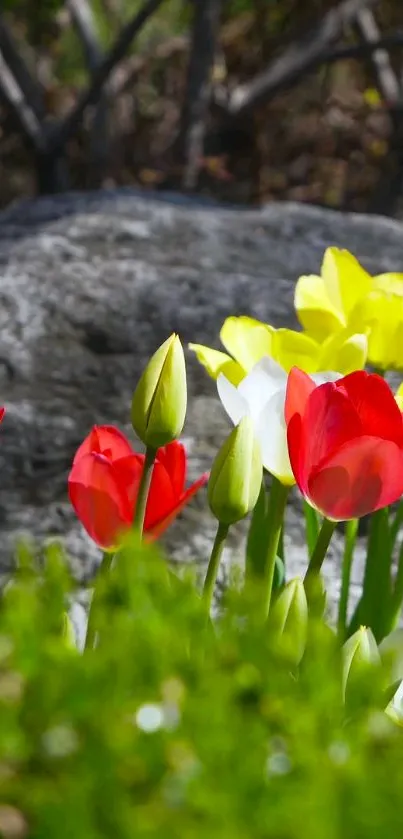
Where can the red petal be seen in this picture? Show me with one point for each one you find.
(299, 388)
(101, 505)
(295, 451)
(363, 476)
(173, 457)
(162, 525)
(2, 412)
(375, 404)
(105, 439)
(330, 420)
(161, 498)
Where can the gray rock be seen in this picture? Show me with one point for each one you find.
(90, 285)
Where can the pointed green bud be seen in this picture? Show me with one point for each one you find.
(236, 475)
(360, 656)
(160, 399)
(287, 623)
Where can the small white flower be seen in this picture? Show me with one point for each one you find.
(261, 395)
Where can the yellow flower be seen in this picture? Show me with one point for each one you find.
(248, 340)
(345, 296)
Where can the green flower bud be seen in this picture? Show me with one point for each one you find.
(236, 475)
(160, 399)
(287, 623)
(360, 656)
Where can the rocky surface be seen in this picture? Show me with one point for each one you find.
(90, 285)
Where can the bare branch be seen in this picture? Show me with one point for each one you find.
(202, 52)
(64, 132)
(83, 20)
(388, 83)
(26, 117)
(29, 87)
(298, 58)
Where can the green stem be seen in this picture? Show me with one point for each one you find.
(396, 524)
(311, 527)
(320, 549)
(275, 517)
(103, 572)
(145, 481)
(350, 537)
(214, 563)
(397, 596)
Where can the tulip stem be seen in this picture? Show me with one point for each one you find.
(145, 481)
(214, 563)
(103, 572)
(320, 549)
(350, 537)
(275, 516)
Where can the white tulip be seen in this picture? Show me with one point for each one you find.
(261, 395)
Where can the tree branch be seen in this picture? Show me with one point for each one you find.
(198, 89)
(30, 89)
(61, 134)
(298, 58)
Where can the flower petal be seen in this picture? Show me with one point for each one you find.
(364, 475)
(217, 362)
(329, 421)
(156, 530)
(105, 439)
(296, 349)
(233, 402)
(375, 404)
(247, 339)
(344, 352)
(314, 309)
(264, 380)
(271, 432)
(346, 281)
(299, 388)
(98, 500)
(173, 457)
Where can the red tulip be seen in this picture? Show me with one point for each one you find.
(104, 483)
(2, 412)
(345, 441)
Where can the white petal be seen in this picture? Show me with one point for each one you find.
(234, 403)
(272, 435)
(261, 384)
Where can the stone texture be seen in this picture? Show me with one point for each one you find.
(90, 285)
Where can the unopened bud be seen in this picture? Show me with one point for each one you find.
(236, 475)
(160, 399)
(287, 623)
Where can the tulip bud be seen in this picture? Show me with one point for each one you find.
(236, 475)
(159, 401)
(288, 622)
(360, 657)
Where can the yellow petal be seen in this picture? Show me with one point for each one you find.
(389, 284)
(345, 280)
(315, 311)
(343, 352)
(247, 339)
(217, 362)
(296, 349)
(399, 396)
(382, 316)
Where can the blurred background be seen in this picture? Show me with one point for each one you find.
(243, 101)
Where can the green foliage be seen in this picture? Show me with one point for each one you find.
(239, 747)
